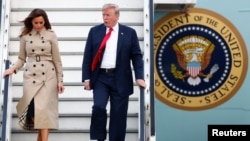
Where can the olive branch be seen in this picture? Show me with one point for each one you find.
(177, 74)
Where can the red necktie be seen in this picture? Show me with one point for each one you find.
(100, 50)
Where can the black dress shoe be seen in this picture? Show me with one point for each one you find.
(100, 140)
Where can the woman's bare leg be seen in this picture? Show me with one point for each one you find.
(39, 135)
(43, 135)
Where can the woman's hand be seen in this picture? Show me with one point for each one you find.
(9, 71)
(60, 87)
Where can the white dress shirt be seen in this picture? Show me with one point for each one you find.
(109, 55)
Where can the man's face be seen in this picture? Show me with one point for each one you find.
(109, 17)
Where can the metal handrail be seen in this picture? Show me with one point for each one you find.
(142, 115)
(152, 84)
(5, 103)
(6, 98)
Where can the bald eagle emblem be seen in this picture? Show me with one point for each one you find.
(193, 55)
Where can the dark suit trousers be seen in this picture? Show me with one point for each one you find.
(105, 89)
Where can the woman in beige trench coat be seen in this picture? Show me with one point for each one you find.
(42, 77)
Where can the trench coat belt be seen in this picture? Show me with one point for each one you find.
(39, 58)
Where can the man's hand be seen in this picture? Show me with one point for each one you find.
(141, 83)
(86, 85)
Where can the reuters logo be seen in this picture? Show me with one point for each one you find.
(200, 59)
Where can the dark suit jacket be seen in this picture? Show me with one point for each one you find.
(128, 52)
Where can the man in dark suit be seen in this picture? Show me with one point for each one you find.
(111, 79)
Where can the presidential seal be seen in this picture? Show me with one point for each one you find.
(200, 59)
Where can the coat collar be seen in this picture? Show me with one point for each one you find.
(41, 33)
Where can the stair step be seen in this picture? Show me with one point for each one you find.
(80, 122)
(71, 91)
(64, 135)
(82, 105)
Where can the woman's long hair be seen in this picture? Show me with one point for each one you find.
(28, 21)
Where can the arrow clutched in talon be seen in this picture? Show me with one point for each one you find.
(212, 71)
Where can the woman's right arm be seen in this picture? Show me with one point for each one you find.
(21, 59)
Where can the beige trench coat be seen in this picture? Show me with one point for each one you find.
(39, 53)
